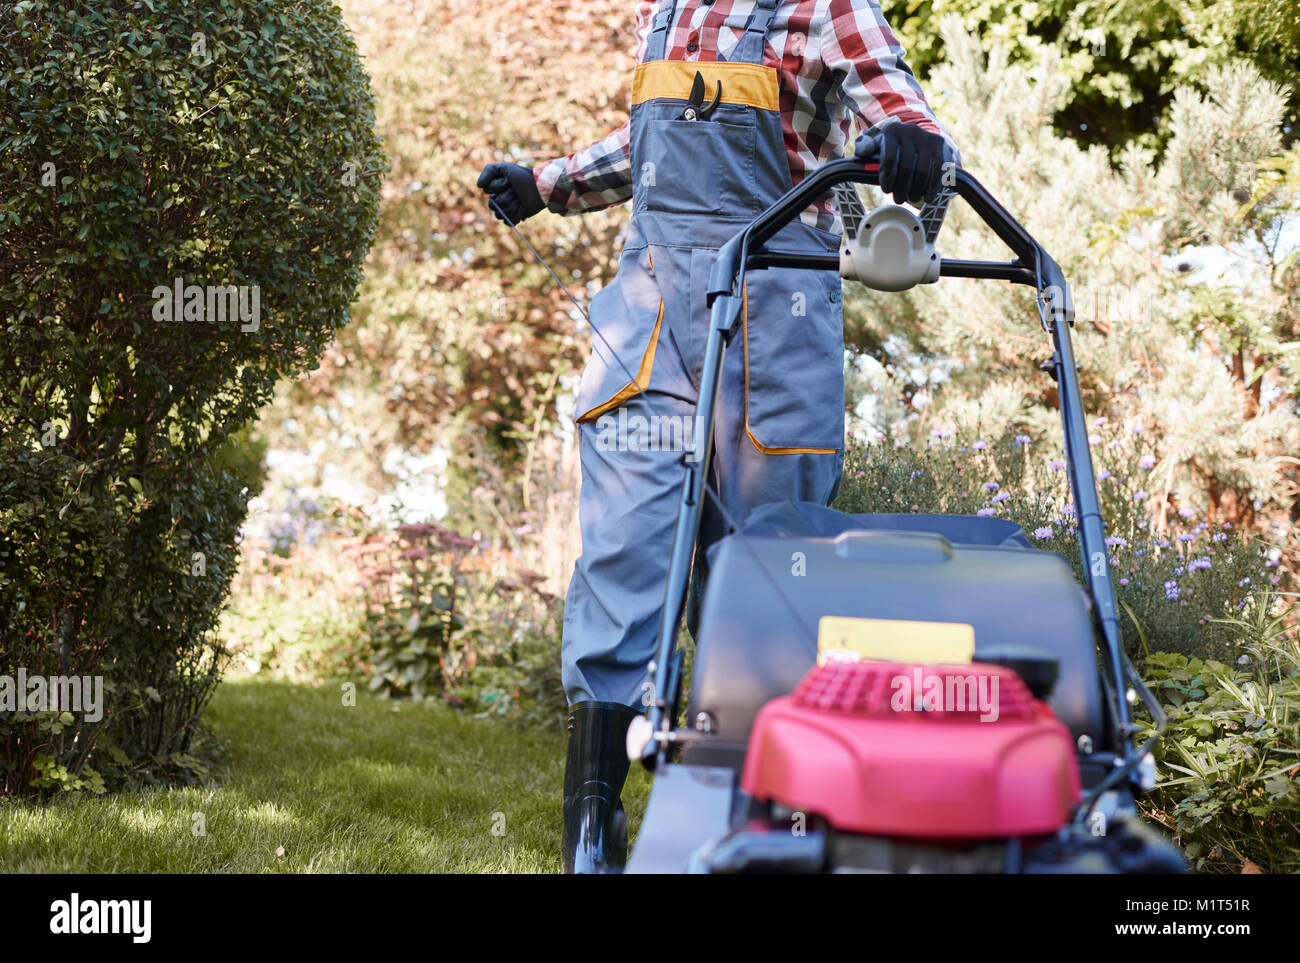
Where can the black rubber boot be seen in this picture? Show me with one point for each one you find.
(595, 830)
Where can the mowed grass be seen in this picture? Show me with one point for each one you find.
(359, 789)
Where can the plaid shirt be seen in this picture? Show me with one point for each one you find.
(835, 60)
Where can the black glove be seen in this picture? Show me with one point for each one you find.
(911, 162)
(513, 188)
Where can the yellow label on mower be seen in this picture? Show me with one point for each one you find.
(896, 640)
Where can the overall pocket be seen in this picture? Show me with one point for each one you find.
(794, 361)
(628, 314)
(696, 167)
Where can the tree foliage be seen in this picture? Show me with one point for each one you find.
(1124, 58)
(1184, 273)
(461, 340)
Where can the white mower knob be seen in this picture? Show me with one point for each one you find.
(890, 252)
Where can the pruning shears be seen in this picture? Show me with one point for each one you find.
(696, 108)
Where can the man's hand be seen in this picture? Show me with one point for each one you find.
(911, 162)
(513, 188)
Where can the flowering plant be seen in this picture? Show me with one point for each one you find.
(1176, 570)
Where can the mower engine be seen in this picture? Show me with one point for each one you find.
(905, 767)
(897, 749)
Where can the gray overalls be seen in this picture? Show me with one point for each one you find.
(780, 427)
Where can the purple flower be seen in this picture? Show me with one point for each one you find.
(1146, 462)
(979, 446)
(1171, 590)
(942, 433)
(1198, 563)
(1186, 512)
(1116, 540)
(1056, 465)
(1099, 422)
(1136, 429)
(1244, 582)
(1022, 439)
(1186, 538)
(986, 512)
(1219, 537)
(1044, 532)
(1103, 476)
(1123, 581)
(1139, 496)
(991, 486)
(1000, 497)
(1093, 439)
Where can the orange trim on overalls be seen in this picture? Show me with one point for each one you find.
(642, 380)
(749, 85)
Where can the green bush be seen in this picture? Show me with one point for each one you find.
(291, 637)
(294, 611)
(230, 146)
(449, 619)
(325, 592)
(1174, 584)
(1229, 761)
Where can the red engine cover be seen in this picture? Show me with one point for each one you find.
(899, 749)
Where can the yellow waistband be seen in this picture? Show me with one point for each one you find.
(751, 85)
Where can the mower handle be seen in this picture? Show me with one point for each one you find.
(1032, 266)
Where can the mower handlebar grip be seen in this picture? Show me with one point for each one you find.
(867, 148)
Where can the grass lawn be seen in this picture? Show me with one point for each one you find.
(342, 789)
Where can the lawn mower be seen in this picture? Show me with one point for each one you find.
(935, 695)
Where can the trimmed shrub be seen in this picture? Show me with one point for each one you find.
(191, 192)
